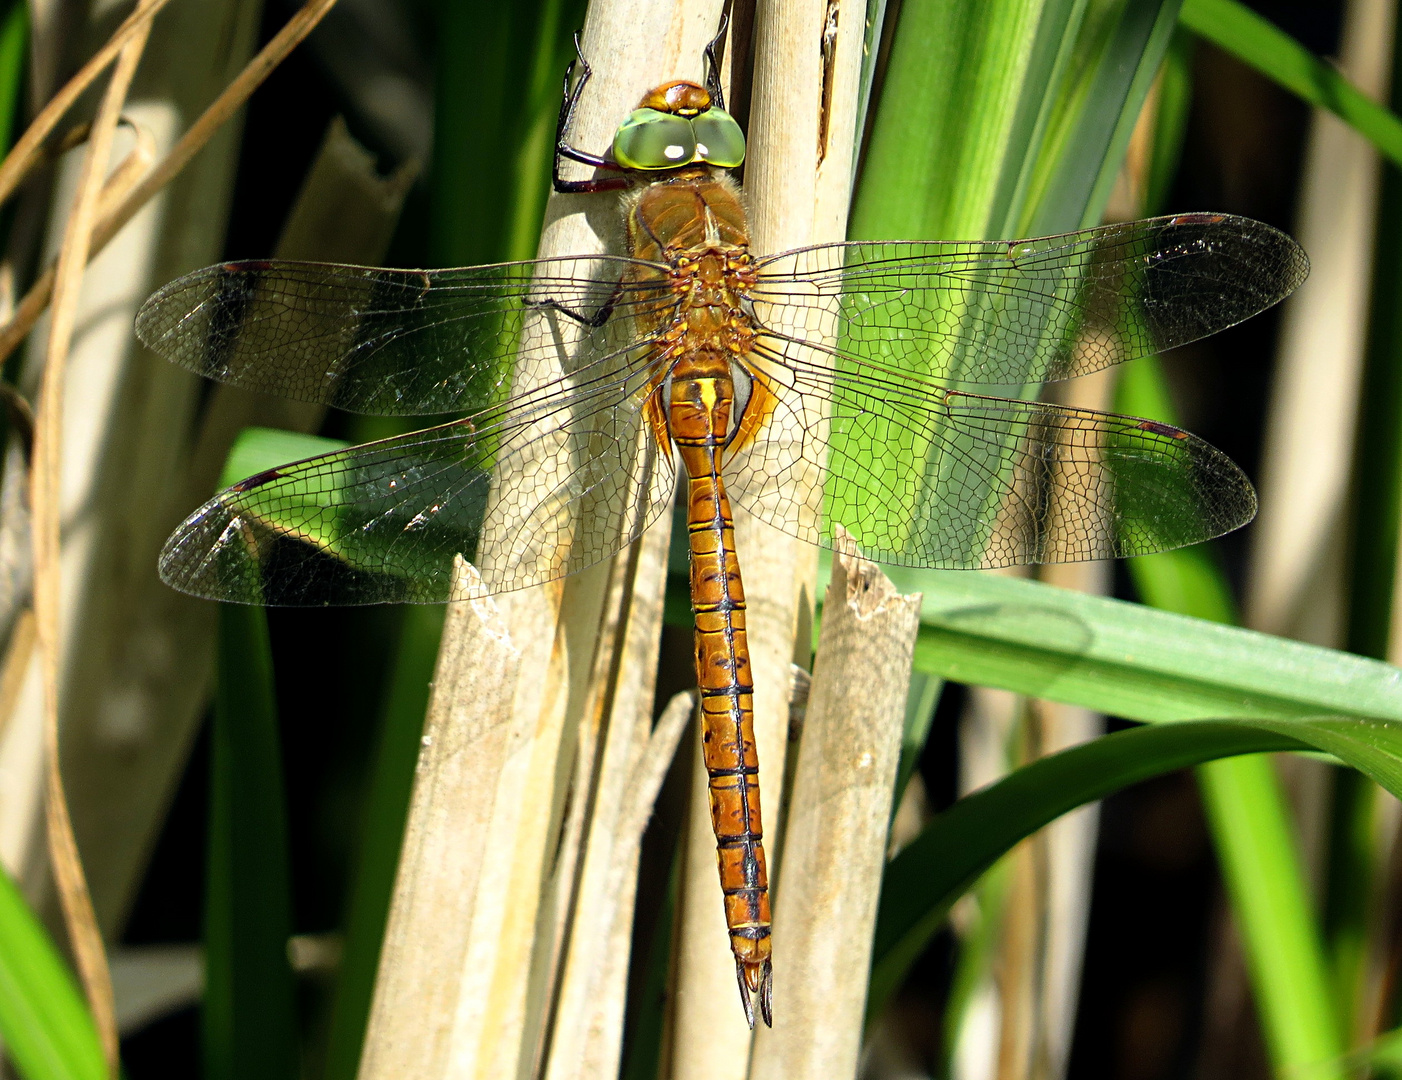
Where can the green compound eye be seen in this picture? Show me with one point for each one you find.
(649, 139)
(719, 140)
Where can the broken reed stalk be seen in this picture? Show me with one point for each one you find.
(84, 935)
(577, 690)
(836, 836)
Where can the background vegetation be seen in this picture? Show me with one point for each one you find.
(1237, 920)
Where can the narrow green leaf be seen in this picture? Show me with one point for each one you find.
(14, 44)
(250, 1014)
(1246, 810)
(44, 1022)
(1057, 49)
(1258, 851)
(1354, 875)
(1275, 54)
(1102, 101)
(1128, 660)
(949, 105)
(494, 121)
(963, 842)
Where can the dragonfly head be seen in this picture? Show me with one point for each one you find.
(675, 124)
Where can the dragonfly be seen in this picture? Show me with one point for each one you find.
(842, 386)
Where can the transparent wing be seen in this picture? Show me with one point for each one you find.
(923, 475)
(526, 495)
(393, 342)
(1025, 311)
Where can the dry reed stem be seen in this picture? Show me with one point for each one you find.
(345, 213)
(467, 740)
(1295, 587)
(587, 1036)
(634, 45)
(581, 909)
(508, 949)
(81, 922)
(18, 652)
(797, 196)
(836, 837)
(29, 148)
(201, 131)
(124, 463)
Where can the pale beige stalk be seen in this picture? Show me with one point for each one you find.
(798, 194)
(467, 738)
(836, 835)
(1295, 585)
(576, 696)
(587, 1033)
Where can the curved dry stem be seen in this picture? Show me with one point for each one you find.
(28, 151)
(201, 131)
(70, 882)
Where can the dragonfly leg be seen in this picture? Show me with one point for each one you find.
(594, 321)
(713, 66)
(564, 151)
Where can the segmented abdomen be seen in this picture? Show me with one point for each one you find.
(699, 419)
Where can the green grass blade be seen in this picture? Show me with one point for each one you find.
(1259, 855)
(44, 1022)
(258, 448)
(962, 843)
(1057, 49)
(14, 45)
(494, 123)
(1246, 812)
(1128, 660)
(250, 1015)
(1119, 659)
(1354, 876)
(948, 108)
(1102, 100)
(1275, 54)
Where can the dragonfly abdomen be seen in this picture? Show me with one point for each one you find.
(699, 418)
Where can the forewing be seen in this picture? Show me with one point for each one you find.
(527, 496)
(926, 476)
(395, 342)
(1026, 311)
